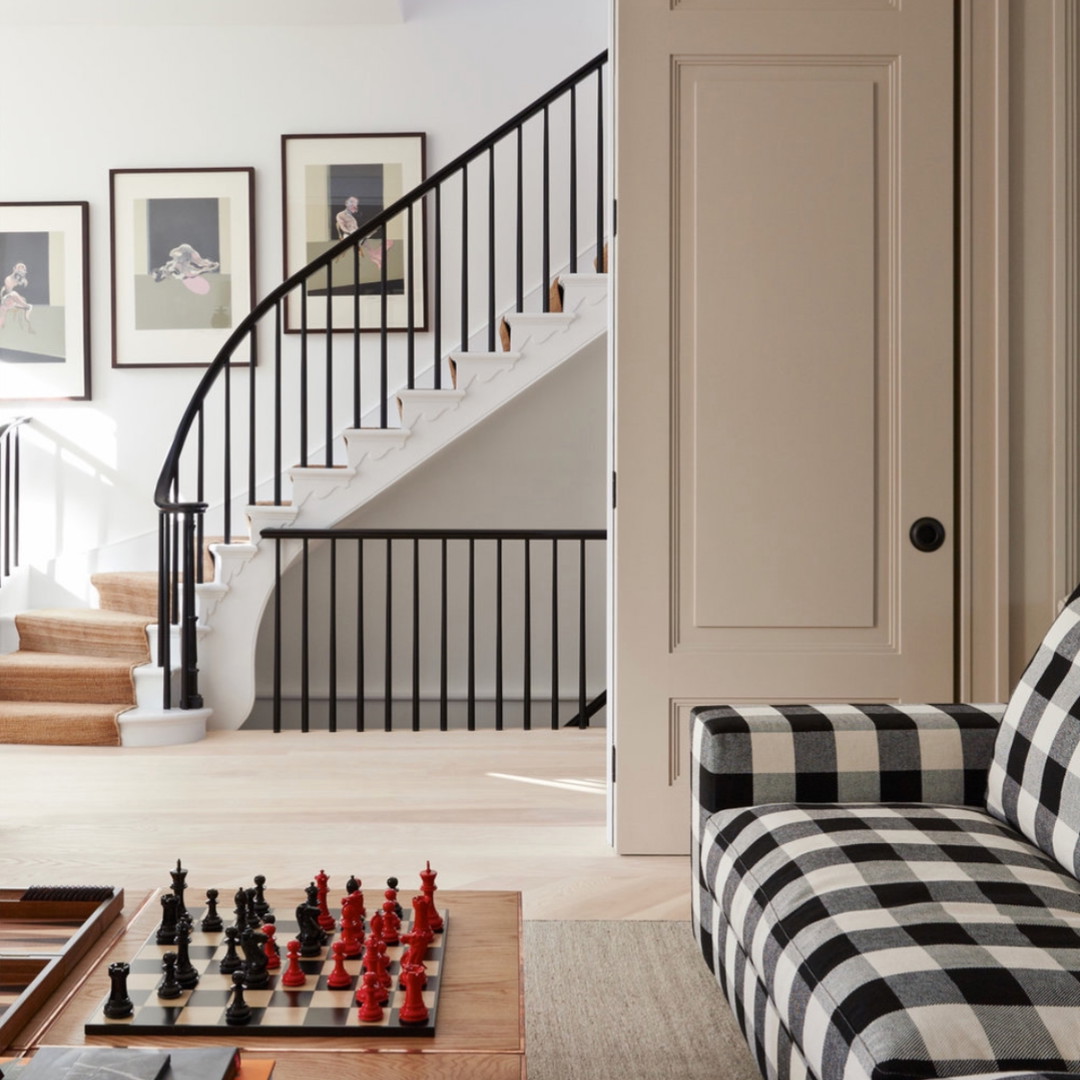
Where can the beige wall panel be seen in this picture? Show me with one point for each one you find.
(784, 5)
(777, 367)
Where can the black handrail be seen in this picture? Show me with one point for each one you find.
(10, 495)
(181, 518)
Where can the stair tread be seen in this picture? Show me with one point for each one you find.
(71, 709)
(84, 615)
(32, 658)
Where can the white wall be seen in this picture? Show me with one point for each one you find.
(114, 96)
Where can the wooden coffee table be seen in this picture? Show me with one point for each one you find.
(480, 1033)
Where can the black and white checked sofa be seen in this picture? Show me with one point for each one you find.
(891, 891)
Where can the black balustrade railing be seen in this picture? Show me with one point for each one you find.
(10, 494)
(437, 629)
(530, 189)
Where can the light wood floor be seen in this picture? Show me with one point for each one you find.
(491, 810)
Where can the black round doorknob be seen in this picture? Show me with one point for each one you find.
(927, 534)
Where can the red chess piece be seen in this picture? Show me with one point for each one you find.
(293, 975)
(413, 1009)
(428, 888)
(326, 920)
(370, 998)
(391, 923)
(376, 925)
(273, 960)
(352, 927)
(339, 978)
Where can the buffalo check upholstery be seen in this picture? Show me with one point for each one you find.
(1034, 778)
(865, 915)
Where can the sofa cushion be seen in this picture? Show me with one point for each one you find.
(1034, 778)
(903, 940)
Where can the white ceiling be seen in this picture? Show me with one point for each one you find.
(203, 12)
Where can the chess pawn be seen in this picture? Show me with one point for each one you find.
(391, 894)
(169, 988)
(231, 961)
(293, 975)
(339, 978)
(211, 922)
(239, 1011)
(391, 924)
(261, 905)
(119, 1005)
(369, 996)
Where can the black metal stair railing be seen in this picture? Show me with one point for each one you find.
(10, 495)
(527, 608)
(221, 447)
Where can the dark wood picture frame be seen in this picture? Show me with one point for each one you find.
(44, 301)
(320, 175)
(182, 255)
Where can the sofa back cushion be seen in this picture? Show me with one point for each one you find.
(1034, 779)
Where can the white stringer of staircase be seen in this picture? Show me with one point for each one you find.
(230, 607)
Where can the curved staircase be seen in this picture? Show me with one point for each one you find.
(173, 637)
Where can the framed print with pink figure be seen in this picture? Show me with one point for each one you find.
(183, 263)
(44, 301)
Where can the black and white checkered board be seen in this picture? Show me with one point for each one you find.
(312, 1009)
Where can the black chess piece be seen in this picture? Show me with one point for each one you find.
(261, 905)
(231, 961)
(240, 900)
(179, 884)
(313, 903)
(352, 884)
(119, 1005)
(169, 987)
(309, 932)
(166, 934)
(187, 975)
(256, 976)
(239, 1011)
(253, 919)
(212, 920)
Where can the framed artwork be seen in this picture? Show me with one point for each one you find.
(44, 301)
(332, 185)
(183, 263)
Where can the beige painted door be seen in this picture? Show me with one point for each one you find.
(783, 369)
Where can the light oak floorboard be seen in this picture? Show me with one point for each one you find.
(512, 810)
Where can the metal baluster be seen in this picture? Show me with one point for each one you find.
(305, 652)
(383, 341)
(227, 508)
(361, 681)
(332, 704)
(174, 578)
(600, 170)
(356, 336)
(465, 259)
(437, 318)
(499, 634)
(328, 434)
(277, 404)
(527, 666)
(189, 644)
(303, 374)
(491, 250)
(555, 634)
(277, 634)
(573, 179)
(164, 622)
(252, 422)
(583, 720)
(5, 454)
(443, 642)
(415, 634)
(200, 496)
(472, 636)
(410, 345)
(388, 722)
(520, 257)
(546, 221)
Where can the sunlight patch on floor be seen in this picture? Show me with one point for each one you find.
(593, 787)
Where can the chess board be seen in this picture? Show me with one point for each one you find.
(312, 1009)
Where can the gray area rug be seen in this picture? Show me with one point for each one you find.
(628, 1000)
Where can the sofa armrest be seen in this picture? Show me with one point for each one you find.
(748, 755)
